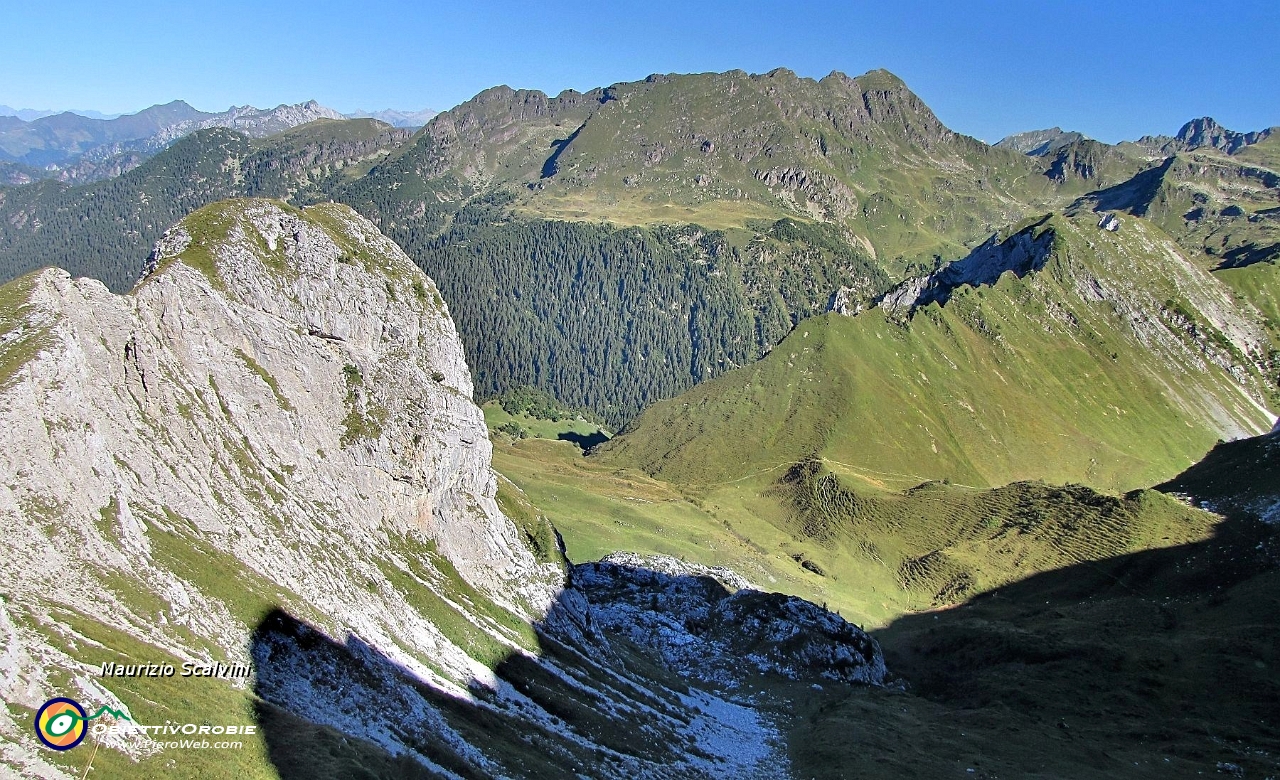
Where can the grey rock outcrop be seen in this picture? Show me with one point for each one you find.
(711, 625)
(1204, 133)
(283, 396)
(1023, 252)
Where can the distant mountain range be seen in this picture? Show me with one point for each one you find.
(391, 116)
(1200, 133)
(29, 114)
(75, 147)
(395, 118)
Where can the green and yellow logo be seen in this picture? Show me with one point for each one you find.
(61, 723)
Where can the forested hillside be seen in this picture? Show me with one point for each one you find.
(611, 318)
(106, 229)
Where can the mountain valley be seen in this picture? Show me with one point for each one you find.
(720, 425)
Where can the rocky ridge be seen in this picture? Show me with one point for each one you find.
(1023, 252)
(1037, 143)
(1197, 323)
(1202, 133)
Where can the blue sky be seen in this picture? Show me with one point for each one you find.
(1112, 70)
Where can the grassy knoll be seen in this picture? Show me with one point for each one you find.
(811, 530)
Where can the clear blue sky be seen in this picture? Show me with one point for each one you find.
(1112, 70)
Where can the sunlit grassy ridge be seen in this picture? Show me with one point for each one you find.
(1033, 378)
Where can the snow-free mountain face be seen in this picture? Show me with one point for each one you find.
(266, 456)
(786, 193)
(1038, 143)
(72, 147)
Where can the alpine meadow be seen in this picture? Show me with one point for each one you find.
(711, 425)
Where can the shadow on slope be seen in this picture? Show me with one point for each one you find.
(585, 441)
(1025, 251)
(1242, 475)
(599, 699)
(1247, 254)
(1134, 196)
(1153, 664)
(342, 709)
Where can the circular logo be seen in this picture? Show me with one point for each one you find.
(60, 723)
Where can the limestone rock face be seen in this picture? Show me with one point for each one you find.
(279, 413)
(337, 367)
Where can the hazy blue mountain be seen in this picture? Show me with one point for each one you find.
(61, 142)
(394, 117)
(29, 114)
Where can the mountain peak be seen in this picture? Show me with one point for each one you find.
(1205, 132)
(1037, 143)
(880, 79)
(1197, 131)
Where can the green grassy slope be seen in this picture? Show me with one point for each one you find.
(1265, 153)
(1259, 285)
(816, 531)
(1020, 617)
(1150, 665)
(1060, 375)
